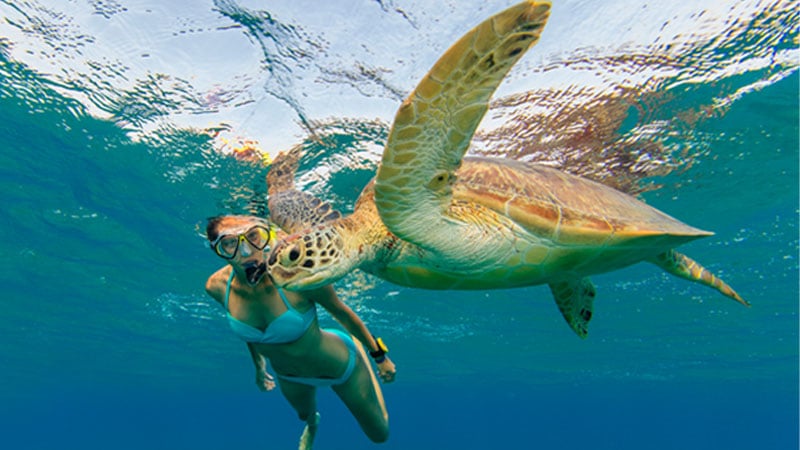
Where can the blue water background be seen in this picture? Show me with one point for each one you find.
(110, 342)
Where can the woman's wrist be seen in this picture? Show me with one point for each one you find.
(379, 355)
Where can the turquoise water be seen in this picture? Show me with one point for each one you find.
(110, 342)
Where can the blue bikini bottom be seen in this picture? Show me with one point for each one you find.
(325, 382)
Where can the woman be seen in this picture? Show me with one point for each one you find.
(281, 326)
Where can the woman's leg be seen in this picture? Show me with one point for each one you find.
(303, 399)
(363, 397)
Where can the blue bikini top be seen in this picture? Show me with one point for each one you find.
(288, 327)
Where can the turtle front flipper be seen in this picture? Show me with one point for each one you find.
(290, 209)
(435, 124)
(682, 266)
(575, 299)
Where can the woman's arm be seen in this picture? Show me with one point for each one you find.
(264, 380)
(216, 284)
(326, 296)
(215, 287)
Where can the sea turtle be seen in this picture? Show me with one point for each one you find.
(433, 219)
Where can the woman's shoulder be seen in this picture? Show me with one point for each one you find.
(325, 296)
(217, 283)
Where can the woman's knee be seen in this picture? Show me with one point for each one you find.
(379, 437)
(311, 419)
(379, 434)
(304, 415)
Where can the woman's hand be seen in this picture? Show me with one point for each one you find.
(264, 380)
(386, 370)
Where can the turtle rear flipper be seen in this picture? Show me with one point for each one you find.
(575, 299)
(682, 266)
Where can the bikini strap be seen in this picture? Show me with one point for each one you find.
(285, 300)
(228, 289)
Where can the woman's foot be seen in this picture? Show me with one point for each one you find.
(307, 438)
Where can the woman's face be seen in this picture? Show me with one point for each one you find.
(244, 242)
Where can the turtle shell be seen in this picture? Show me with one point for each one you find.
(564, 208)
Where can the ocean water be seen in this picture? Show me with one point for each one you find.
(119, 121)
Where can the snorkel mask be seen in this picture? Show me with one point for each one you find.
(244, 240)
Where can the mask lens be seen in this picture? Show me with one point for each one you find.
(258, 237)
(226, 247)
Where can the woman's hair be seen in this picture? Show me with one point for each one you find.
(211, 227)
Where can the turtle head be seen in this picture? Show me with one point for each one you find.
(310, 259)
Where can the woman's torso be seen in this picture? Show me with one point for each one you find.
(294, 343)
